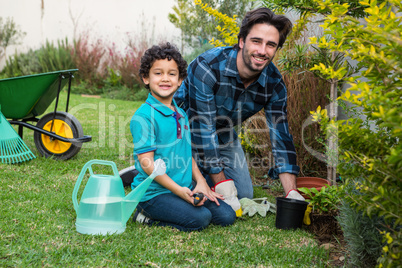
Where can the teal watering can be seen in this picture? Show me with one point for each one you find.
(104, 207)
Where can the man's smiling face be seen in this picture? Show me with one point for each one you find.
(258, 50)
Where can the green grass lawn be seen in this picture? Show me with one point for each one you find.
(37, 226)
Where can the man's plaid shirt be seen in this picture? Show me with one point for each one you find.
(215, 100)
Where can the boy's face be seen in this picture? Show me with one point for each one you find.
(163, 80)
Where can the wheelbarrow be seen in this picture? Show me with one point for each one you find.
(23, 99)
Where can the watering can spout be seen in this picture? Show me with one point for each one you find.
(131, 200)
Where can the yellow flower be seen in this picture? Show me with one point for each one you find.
(389, 238)
(385, 249)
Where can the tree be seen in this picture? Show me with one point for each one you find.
(199, 27)
(10, 34)
(305, 7)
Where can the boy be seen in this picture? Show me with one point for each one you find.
(161, 130)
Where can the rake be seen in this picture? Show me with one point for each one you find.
(12, 148)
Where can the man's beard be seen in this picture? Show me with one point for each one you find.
(248, 63)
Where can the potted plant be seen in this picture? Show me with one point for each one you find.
(324, 204)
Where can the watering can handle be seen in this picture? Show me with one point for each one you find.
(88, 166)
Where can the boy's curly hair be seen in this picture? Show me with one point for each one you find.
(161, 52)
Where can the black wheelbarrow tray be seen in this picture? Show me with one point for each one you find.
(23, 99)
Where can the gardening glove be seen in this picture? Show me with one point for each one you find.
(294, 194)
(228, 189)
(306, 219)
(250, 206)
(268, 205)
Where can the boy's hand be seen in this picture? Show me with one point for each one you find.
(202, 186)
(186, 194)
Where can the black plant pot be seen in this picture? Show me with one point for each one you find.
(289, 213)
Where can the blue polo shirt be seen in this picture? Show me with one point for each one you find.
(157, 128)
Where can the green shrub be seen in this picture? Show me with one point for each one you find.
(370, 152)
(53, 57)
(362, 235)
(22, 64)
(114, 78)
(48, 58)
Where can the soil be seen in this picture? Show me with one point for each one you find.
(326, 230)
(328, 234)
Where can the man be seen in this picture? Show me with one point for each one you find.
(227, 85)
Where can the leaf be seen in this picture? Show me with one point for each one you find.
(314, 190)
(347, 94)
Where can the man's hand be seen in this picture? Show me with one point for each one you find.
(294, 194)
(228, 189)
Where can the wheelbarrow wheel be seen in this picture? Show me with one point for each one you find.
(64, 125)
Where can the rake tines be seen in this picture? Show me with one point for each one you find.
(14, 151)
(12, 147)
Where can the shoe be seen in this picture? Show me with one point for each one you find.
(141, 218)
(127, 175)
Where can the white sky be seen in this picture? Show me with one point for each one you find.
(109, 20)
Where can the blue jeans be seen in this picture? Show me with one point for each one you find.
(235, 168)
(171, 210)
